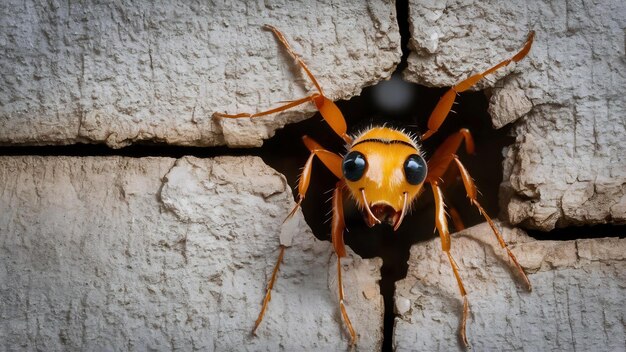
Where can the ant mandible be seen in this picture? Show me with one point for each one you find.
(384, 171)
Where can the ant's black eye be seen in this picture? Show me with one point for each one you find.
(353, 166)
(415, 169)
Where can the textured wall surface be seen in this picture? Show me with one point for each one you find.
(568, 164)
(577, 302)
(113, 253)
(120, 72)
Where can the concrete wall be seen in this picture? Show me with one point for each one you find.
(115, 253)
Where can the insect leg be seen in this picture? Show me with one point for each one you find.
(294, 55)
(442, 109)
(268, 112)
(440, 162)
(268, 292)
(338, 226)
(441, 159)
(442, 227)
(327, 108)
(331, 160)
(439, 166)
(291, 104)
(471, 191)
(330, 112)
(456, 219)
(333, 163)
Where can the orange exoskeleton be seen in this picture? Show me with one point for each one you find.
(384, 171)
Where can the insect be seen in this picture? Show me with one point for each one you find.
(384, 171)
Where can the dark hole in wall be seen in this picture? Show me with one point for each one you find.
(286, 153)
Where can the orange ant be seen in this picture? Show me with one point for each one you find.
(384, 171)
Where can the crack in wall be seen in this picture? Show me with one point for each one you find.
(359, 111)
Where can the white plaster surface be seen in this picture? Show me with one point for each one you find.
(577, 302)
(568, 163)
(123, 72)
(114, 253)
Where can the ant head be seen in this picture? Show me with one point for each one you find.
(384, 171)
